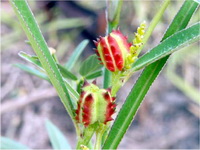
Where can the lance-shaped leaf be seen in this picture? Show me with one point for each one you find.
(66, 73)
(90, 65)
(168, 46)
(40, 47)
(94, 75)
(75, 55)
(57, 139)
(32, 71)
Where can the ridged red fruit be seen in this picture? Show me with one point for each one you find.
(95, 105)
(113, 50)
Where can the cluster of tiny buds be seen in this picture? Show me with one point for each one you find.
(137, 43)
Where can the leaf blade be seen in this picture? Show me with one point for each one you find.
(94, 75)
(32, 71)
(90, 65)
(32, 59)
(66, 74)
(168, 46)
(57, 139)
(76, 54)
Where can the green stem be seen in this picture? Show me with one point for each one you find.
(87, 135)
(99, 135)
(154, 23)
(98, 141)
(107, 78)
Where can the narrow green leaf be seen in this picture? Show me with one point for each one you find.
(168, 46)
(94, 75)
(73, 92)
(32, 59)
(42, 75)
(131, 105)
(7, 143)
(150, 73)
(40, 47)
(66, 73)
(181, 20)
(75, 55)
(57, 138)
(90, 65)
(32, 71)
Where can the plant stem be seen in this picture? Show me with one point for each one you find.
(154, 22)
(99, 135)
(87, 135)
(98, 141)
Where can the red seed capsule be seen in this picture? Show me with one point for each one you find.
(95, 105)
(113, 50)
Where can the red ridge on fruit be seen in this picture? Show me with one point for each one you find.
(94, 105)
(112, 50)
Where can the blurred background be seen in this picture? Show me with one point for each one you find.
(169, 116)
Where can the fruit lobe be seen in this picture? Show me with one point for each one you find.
(113, 50)
(95, 105)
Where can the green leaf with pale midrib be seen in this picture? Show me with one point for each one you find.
(117, 132)
(94, 75)
(90, 65)
(57, 139)
(40, 47)
(168, 46)
(65, 73)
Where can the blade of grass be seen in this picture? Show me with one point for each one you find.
(168, 46)
(40, 47)
(75, 55)
(125, 117)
